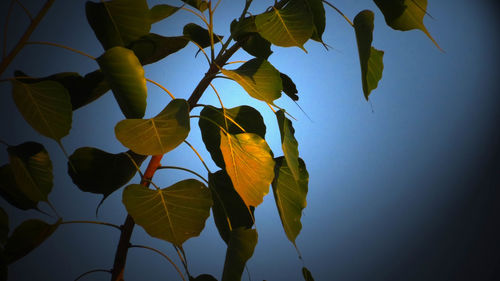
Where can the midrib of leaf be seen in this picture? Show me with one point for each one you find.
(31, 180)
(167, 213)
(156, 133)
(284, 25)
(280, 206)
(112, 20)
(233, 158)
(255, 91)
(39, 110)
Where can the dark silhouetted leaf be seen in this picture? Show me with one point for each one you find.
(230, 212)
(245, 116)
(97, 171)
(405, 15)
(239, 251)
(289, 144)
(125, 76)
(201, 5)
(45, 105)
(4, 227)
(174, 214)
(291, 26)
(203, 277)
(307, 274)
(259, 79)
(289, 87)
(249, 164)
(32, 170)
(153, 47)
(161, 11)
(199, 35)
(157, 135)
(10, 191)
(26, 237)
(371, 59)
(290, 196)
(318, 13)
(245, 32)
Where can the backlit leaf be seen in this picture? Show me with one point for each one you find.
(289, 87)
(26, 237)
(199, 35)
(125, 76)
(32, 170)
(161, 11)
(249, 164)
(318, 13)
(239, 250)
(291, 26)
(371, 59)
(45, 105)
(307, 274)
(156, 135)
(4, 227)
(289, 144)
(10, 191)
(245, 116)
(174, 214)
(259, 79)
(153, 47)
(290, 196)
(201, 5)
(405, 15)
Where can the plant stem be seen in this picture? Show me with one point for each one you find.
(93, 222)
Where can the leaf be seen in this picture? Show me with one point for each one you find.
(82, 90)
(230, 212)
(45, 105)
(239, 250)
(161, 11)
(259, 79)
(245, 33)
(201, 5)
(158, 135)
(4, 227)
(32, 170)
(249, 164)
(289, 87)
(307, 274)
(371, 59)
(97, 171)
(203, 277)
(291, 26)
(118, 22)
(28, 236)
(153, 47)
(290, 196)
(10, 191)
(199, 35)
(405, 15)
(245, 116)
(125, 76)
(289, 144)
(174, 214)
(318, 13)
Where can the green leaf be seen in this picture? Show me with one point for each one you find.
(307, 274)
(10, 191)
(161, 11)
(97, 171)
(289, 87)
(239, 251)
(259, 79)
(118, 22)
(28, 236)
(245, 33)
(245, 116)
(158, 135)
(405, 15)
(289, 144)
(371, 59)
(291, 26)
(125, 76)
(82, 90)
(290, 196)
(32, 170)
(174, 214)
(45, 105)
(318, 13)
(203, 277)
(201, 5)
(153, 47)
(249, 164)
(4, 227)
(199, 35)
(230, 212)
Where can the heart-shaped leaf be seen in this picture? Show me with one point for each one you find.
(125, 76)
(10, 191)
(249, 164)
(371, 59)
(157, 135)
(174, 214)
(289, 144)
(246, 117)
(405, 15)
(45, 105)
(259, 79)
(239, 250)
(289, 87)
(4, 227)
(290, 196)
(153, 47)
(230, 212)
(199, 35)
(97, 171)
(161, 11)
(290, 26)
(32, 170)
(27, 237)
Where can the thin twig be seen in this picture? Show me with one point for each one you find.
(92, 271)
(163, 255)
(93, 222)
(161, 87)
(6, 27)
(199, 156)
(184, 169)
(25, 9)
(338, 11)
(60, 46)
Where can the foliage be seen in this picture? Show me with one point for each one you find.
(234, 137)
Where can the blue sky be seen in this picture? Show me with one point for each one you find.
(404, 187)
